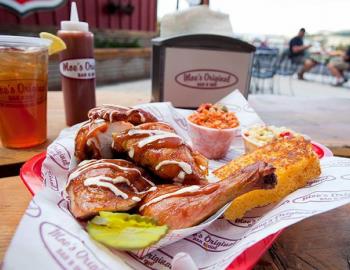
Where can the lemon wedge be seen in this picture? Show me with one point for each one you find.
(57, 44)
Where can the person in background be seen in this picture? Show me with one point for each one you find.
(338, 66)
(264, 44)
(297, 53)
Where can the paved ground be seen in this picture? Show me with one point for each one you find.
(141, 90)
(310, 88)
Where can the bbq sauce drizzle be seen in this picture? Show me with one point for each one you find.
(156, 139)
(109, 111)
(93, 128)
(103, 118)
(99, 130)
(149, 139)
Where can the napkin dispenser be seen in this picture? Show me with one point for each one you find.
(192, 69)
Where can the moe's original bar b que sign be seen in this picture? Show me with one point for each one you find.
(206, 79)
(192, 69)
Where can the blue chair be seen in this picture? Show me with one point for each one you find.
(264, 69)
(347, 76)
(286, 68)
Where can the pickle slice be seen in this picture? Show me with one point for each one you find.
(125, 231)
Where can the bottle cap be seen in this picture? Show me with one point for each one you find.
(74, 24)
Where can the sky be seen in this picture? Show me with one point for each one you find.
(276, 17)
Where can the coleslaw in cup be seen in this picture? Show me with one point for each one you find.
(212, 129)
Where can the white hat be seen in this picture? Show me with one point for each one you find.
(195, 20)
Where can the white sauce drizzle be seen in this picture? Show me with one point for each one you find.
(98, 121)
(98, 181)
(84, 162)
(116, 180)
(154, 135)
(154, 138)
(95, 125)
(142, 118)
(108, 182)
(110, 117)
(117, 106)
(181, 175)
(149, 132)
(131, 152)
(94, 141)
(148, 190)
(128, 112)
(96, 164)
(183, 165)
(188, 189)
(212, 178)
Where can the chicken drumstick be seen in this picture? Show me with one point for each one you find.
(183, 207)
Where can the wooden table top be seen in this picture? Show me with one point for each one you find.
(14, 200)
(321, 242)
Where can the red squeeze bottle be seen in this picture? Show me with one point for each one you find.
(77, 68)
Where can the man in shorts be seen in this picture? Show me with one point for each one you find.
(338, 66)
(297, 51)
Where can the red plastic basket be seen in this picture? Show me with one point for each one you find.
(31, 176)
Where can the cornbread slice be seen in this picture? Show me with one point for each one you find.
(295, 163)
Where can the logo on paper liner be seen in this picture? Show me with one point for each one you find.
(180, 120)
(345, 177)
(248, 108)
(245, 222)
(155, 260)
(211, 242)
(60, 155)
(67, 249)
(336, 162)
(281, 216)
(50, 180)
(33, 209)
(64, 206)
(206, 79)
(324, 196)
(320, 180)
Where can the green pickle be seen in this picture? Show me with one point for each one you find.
(125, 231)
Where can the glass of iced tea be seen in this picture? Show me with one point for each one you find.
(23, 91)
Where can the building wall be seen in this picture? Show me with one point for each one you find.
(95, 12)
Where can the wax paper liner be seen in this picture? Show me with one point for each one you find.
(48, 237)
